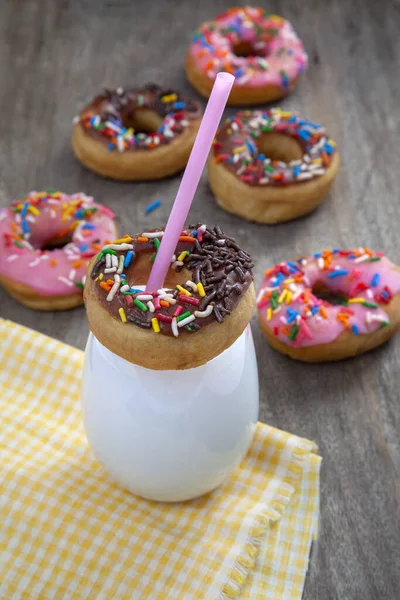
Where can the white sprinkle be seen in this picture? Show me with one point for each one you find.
(370, 294)
(108, 261)
(71, 248)
(113, 291)
(75, 120)
(120, 91)
(296, 295)
(320, 262)
(3, 215)
(186, 321)
(264, 180)
(72, 256)
(114, 261)
(173, 259)
(151, 306)
(31, 218)
(204, 313)
(120, 247)
(120, 144)
(84, 279)
(72, 274)
(66, 281)
(303, 176)
(121, 264)
(113, 126)
(124, 288)
(202, 228)
(110, 270)
(260, 295)
(184, 123)
(283, 320)
(318, 171)
(117, 278)
(177, 263)
(380, 318)
(144, 297)
(12, 257)
(30, 247)
(174, 327)
(152, 234)
(168, 298)
(34, 263)
(192, 285)
(360, 259)
(315, 167)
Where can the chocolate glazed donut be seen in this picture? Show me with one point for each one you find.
(209, 291)
(136, 133)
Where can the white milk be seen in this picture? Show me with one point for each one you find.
(170, 435)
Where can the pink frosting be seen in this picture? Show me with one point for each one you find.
(280, 53)
(365, 283)
(28, 224)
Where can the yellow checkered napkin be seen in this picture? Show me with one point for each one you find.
(68, 533)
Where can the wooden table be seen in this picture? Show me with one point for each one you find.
(55, 55)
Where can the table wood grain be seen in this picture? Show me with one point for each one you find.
(54, 56)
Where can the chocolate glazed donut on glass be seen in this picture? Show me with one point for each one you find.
(136, 133)
(208, 291)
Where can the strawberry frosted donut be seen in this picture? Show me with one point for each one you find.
(261, 50)
(271, 166)
(46, 241)
(332, 305)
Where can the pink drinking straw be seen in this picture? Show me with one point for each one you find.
(190, 180)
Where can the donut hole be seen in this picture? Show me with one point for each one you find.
(244, 49)
(138, 273)
(142, 120)
(279, 146)
(323, 293)
(56, 242)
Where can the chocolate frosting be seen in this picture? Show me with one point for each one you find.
(106, 116)
(213, 260)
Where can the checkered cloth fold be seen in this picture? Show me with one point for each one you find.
(67, 532)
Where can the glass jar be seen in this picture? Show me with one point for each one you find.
(170, 435)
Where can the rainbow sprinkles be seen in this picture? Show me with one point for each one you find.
(47, 239)
(362, 282)
(236, 147)
(276, 55)
(106, 115)
(221, 274)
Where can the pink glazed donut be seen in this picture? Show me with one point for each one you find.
(46, 242)
(262, 51)
(332, 305)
